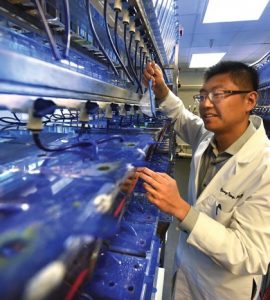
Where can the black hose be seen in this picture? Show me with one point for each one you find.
(113, 137)
(12, 121)
(115, 30)
(89, 15)
(39, 144)
(130, 42)
(112, 44)
(67, 27)
(141, 69)
(135, 58)
(143, 60)
(9, 126)
(16, 117)
(52, 42)
(129, 60)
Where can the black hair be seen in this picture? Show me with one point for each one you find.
(244, 76)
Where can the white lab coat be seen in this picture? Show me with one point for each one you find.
(229, 246)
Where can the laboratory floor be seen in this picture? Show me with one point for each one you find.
(181, 175)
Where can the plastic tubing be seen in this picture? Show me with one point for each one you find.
(89, 15)
(112, 44)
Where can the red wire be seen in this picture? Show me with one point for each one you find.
(266, 295)
(74, 288)
(119, 207)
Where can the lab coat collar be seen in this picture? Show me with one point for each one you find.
(244, 156)
(254, 145)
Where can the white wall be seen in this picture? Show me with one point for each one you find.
(191, 83)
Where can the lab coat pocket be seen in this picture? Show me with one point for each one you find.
(224, 211)
(224, 217)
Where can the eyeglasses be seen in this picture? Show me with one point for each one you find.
(217, 95)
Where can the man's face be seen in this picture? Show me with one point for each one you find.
(225, 115)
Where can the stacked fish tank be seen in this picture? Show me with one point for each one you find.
(75, 222)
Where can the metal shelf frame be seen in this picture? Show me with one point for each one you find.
(23, 75)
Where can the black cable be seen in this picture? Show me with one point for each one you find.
(135, 58)
(152, 148)
(112, 44)
(62, 113)
(52, 42)
(16, 117)
(115, 30)
(12, 122)
(89, 15)
(72, 114)
(67, 27)
(9, 126)
(140, 67)
(129, 60)
(143, 60)
(140, 57)
(39, 144)
(65, 118)
(130, 42)
(113, 137)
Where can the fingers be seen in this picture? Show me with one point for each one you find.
(151, 194)
(151, 72)
(150, 176)
(157, 71)
(146, 77)
(164, 175)
(150, 190)
(149, 172)
(149, 180)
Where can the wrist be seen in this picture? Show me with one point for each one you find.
(190, 220)
(162, 93)
(182, 211)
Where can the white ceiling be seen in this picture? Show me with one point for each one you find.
(244, 41)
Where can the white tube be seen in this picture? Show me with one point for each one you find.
(117, 5)
(125, 16)
(137, 36)
(132, 26)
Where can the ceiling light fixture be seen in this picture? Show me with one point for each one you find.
(234, 10)
(205, 60)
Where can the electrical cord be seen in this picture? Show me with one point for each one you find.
(9, 127)
(135, 57)
(13, 121)
(143, 60)
(112, 44)
(67, 27)
(143, 63)
(129, 60)
(141, 69)
(16, 117)
(115, 30)
(152, 148)
(147, 60)
(130, 42)
(91, 23)
(113, 137)
(38, 143)
(83, 129)
(72, 114)
(77, 283)
(48, 31)
(62, 116)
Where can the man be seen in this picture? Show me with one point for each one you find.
(224, 246)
